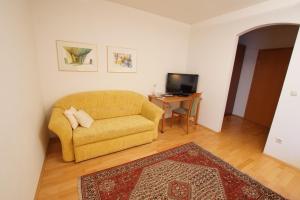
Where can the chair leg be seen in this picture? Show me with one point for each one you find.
(195, 121)
(172, 120)
(187, 124)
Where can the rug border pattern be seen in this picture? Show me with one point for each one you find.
(157, 157)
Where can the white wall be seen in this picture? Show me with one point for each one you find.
(286, 124)
(161, 43)
(264, 38)
(211, 54)
(23, 138)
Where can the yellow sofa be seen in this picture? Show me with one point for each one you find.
(123, 119)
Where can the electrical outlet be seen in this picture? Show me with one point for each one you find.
(294, 93)
(278, 140)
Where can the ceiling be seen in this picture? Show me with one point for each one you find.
(188, 11)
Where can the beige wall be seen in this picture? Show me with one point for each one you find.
(23, 138)
(212, 51)
(161, 45)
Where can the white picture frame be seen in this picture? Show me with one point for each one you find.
(77, 56)
(121, 60)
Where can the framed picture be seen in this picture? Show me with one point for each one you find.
(121, 60)
(74, 56)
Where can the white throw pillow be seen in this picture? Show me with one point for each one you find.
(70, 116)
(84, 119)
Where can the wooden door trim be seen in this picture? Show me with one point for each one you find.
(235, 78)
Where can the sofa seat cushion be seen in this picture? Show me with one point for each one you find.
(111, 128)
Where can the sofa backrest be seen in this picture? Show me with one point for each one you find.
(104, 104)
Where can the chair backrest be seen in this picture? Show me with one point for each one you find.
(196, 97)
(104, 104)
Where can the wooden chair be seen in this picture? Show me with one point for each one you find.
(189, 111)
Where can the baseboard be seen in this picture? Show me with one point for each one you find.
(238, 116)
(283, 162)
(37, 191)
(205, 127)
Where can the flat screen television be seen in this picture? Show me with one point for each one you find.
(181, 84)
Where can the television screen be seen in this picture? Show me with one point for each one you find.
(181, 83)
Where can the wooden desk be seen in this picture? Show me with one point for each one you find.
(165, 103)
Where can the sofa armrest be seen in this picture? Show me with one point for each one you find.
(60, 125)
(153, 113)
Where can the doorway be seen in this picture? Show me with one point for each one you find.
(260, 66)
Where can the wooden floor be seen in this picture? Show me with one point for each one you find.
(240, 143)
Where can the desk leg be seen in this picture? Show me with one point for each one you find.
(163, 120)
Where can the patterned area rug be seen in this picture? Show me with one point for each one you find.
(182, 173)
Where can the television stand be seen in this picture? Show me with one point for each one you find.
(165, 102)
(183, 94)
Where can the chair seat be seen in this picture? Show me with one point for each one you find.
(181, 110)
(111, 128)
